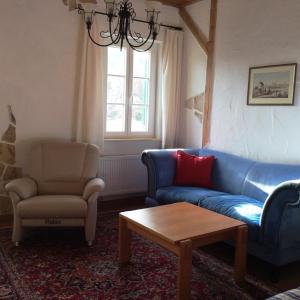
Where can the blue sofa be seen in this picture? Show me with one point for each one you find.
(263, 195)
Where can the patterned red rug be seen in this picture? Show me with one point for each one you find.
(57, 264)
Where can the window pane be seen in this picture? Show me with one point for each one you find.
(141, 64)
(115, 89)
(139, 120)
(115, 120)
(140, 88)
(116, 61)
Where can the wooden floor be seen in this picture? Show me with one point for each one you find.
(290, 274)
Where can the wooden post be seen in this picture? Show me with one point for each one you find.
(209, 74)
(208, 46)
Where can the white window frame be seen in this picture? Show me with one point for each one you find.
(127, 134)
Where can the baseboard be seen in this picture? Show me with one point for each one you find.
(121, 202)
(123, 196)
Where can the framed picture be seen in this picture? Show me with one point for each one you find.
(272, 85)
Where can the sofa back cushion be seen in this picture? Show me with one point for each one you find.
(263, 178)
(229, 171)
(63, 167)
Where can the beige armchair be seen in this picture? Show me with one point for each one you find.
(62, 189)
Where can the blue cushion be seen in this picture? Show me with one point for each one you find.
(263, 178)
(238, 207)
(172, 194)
(229, 171)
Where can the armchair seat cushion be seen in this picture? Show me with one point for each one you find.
(171, 194)
(52, 206)
(239, 207)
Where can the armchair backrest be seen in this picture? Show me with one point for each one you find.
(63, 167)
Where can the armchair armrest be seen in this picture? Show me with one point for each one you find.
(95, 185)
(280, 222)
(23, 187)
(161, 167)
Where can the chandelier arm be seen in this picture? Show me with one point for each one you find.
(142, 50)
(144, 40)
(115, 41)
(137, 37)
(96, 43)
(117, 26)
(118, 38)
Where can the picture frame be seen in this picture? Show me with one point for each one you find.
(272, 85)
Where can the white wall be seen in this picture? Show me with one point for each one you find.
(38, 69)
(39, 57)
(253, 33)
(193, 75)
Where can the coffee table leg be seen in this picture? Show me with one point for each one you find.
(240, 253)
(124, 241)
(184, 270)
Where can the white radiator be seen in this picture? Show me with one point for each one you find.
(123, 175)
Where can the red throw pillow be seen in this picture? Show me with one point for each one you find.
(192, 170)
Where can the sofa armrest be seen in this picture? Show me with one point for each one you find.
(161, 167)
(280, 222)
(23, 187)
(95, 185)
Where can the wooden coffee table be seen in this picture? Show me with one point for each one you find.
(180, 227)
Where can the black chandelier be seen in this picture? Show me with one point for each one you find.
(121, 18)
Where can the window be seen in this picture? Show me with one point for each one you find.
(130, 92)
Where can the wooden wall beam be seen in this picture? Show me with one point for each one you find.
(184, 3)
(209, 74)
(196, 31)
(170, 3)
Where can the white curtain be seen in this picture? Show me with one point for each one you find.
(89, 122)
(171, 80)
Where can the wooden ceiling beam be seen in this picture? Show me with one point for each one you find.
(195, 30)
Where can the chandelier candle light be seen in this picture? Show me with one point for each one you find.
(121, 18)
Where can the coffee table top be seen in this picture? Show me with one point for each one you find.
(180, 221)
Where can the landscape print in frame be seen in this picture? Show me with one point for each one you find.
(272, 85)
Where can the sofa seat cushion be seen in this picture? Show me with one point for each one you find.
(172, 194)
(52, 206)
(239, 207)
